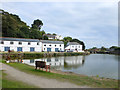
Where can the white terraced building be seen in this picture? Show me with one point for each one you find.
(52, 46)
(73, 47)
(19, 44)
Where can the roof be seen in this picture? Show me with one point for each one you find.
(73, 43)
(50, 36)
(53, 42)
(18, 39)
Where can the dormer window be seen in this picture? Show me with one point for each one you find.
(37, 43)
(2, 42)
(28, 43)
(49, 45)
(20, 43)
(11, 42)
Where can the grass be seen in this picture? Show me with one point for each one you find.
(77, 79)
(0, 60)
(8, 83)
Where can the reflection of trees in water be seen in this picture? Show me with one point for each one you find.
(74, 65)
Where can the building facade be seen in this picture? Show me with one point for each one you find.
(73, 47)
(52, 46)
(52, 37)
(19, 44)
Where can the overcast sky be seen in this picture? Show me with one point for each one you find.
(94, 23)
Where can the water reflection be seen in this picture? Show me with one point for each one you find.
(73, 62)
(56, 62)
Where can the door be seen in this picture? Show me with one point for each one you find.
(56, 49)
(19, 49)
(32, 49)
(49, 49)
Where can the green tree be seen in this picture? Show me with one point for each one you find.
(103, 48)
(54, 34)
(37, 24)
(45, 38)
(68, 39)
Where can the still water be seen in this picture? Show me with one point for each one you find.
(102, 65)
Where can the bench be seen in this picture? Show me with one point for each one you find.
(42, 64)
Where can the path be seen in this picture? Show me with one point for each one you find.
(38, 81)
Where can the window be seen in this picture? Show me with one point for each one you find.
(28, 43)
(44, 48)
(6, 48)
(49, 45)
(11, 42)
(48, 60)
(31, 60)
(37, 43)
(44, 45)
(20, 43)
(73, 46)
(55, 45)
(79, 46)
(2, 42)
(60, 45)
(56, 59)
(19, 49)
(32, 49)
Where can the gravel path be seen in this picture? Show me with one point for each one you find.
(37, 81)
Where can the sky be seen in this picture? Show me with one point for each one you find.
(94, 23)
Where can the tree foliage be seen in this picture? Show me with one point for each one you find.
(12, 26)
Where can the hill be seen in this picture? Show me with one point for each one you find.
(12, 26)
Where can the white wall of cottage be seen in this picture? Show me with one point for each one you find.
(44, 48)
(24, 45)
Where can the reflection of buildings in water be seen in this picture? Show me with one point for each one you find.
(73, 62)
(56, 62)
(59, 61)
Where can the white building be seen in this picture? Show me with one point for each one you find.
(73, 47)
(52, 37)
(59, 37)
(52, 46)
(19, 44)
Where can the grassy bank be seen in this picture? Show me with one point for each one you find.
(77, 79)
(11, 83)
(27, 55)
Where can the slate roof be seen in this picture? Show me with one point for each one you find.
(50, 36)
(53, 42)
(18, 39)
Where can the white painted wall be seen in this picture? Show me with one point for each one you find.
(44, 48)
(25, 46)
(73, 47)
(58, 37)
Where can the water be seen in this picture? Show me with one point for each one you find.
(102, 65)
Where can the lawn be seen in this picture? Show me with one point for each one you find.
(77, 79)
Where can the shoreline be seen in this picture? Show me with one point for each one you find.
(27, 55)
